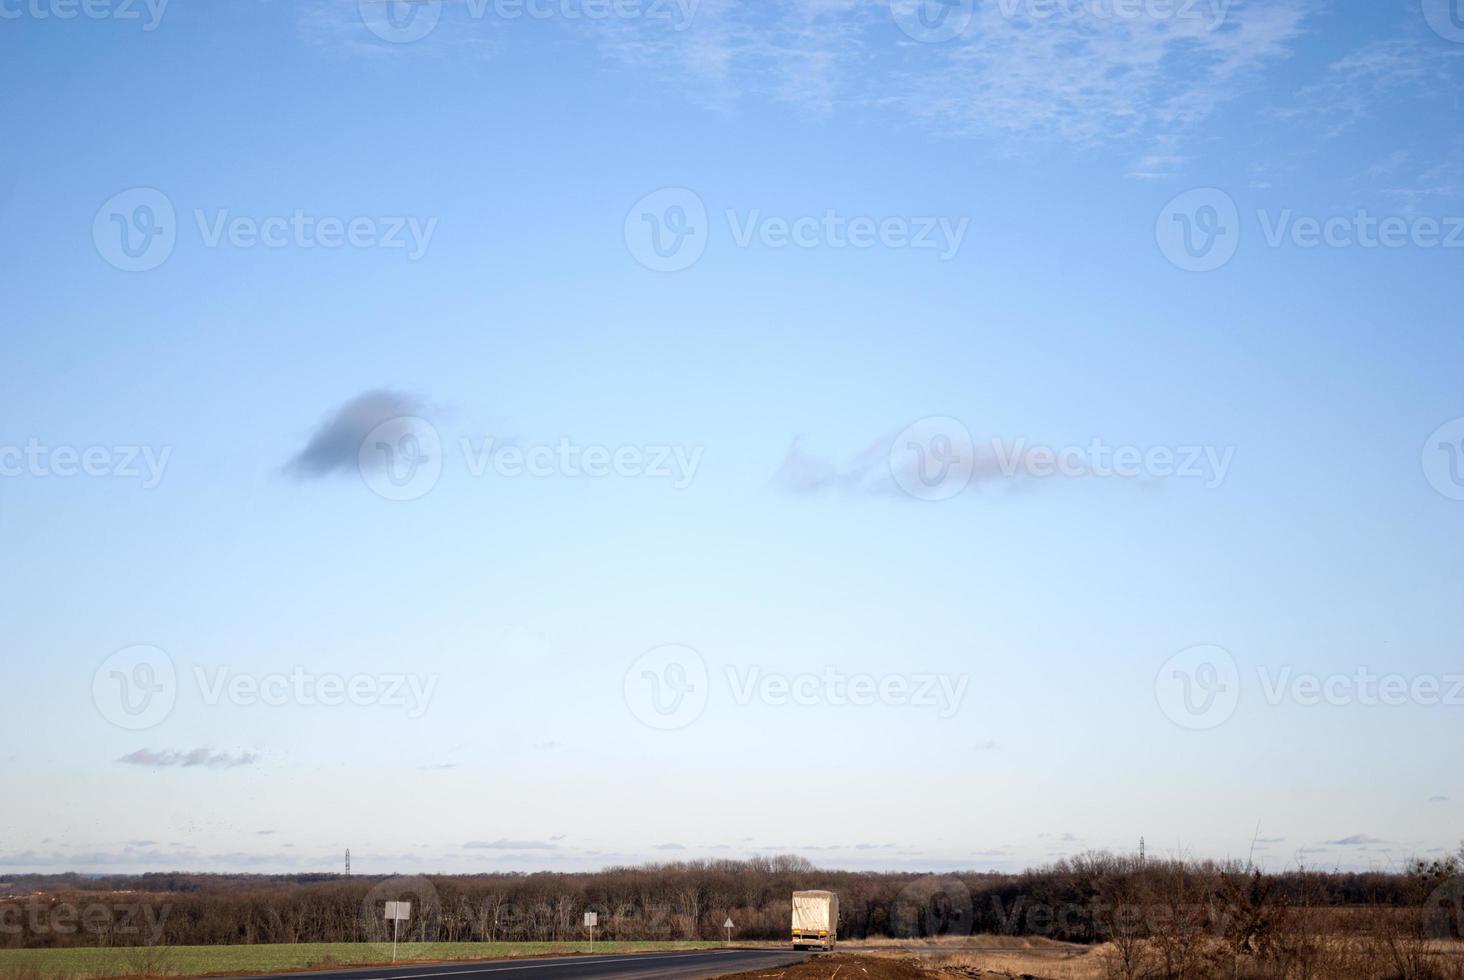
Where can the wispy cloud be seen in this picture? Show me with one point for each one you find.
(1373, 79)
(1439, 184)
(1071, 72)
(189, 759)
(805, 52)
(1097, 80)
(504, 844)
(1356, 840)
(882, 467)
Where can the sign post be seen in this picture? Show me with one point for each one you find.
(592, 919)
(396, 912)
(728, 926)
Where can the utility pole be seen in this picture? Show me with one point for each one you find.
(348, 862)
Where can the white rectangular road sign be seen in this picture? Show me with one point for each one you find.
(398, 910)
(592, 919)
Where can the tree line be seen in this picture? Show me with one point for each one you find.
(1124, 900)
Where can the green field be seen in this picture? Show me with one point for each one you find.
(196, 961)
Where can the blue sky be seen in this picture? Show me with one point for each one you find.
(1065, 660)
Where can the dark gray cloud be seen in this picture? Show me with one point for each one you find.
(670, 847)
(189, 759)
(335, 446)
(1438, 799)
(1356, 840)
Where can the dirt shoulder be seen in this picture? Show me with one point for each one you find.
(893, 966)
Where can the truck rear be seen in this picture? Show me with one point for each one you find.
(815, 920)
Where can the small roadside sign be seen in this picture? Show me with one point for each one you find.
(592, 919)
(396, 914)
(728, 926)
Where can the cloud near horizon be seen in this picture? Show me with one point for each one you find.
(190, 759)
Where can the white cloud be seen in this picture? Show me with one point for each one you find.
(1375, 78)
(1073, 76)
(1092, 80)
(1078, 76)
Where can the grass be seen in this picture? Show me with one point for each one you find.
(197, 961)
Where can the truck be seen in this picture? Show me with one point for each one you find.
(815, 920)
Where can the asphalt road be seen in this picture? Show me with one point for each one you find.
(636, 966)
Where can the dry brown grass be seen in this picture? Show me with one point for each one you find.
(980, 939)
(1329, 959)
(1017, 958)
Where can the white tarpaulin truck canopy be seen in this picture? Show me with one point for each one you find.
(815, 911)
